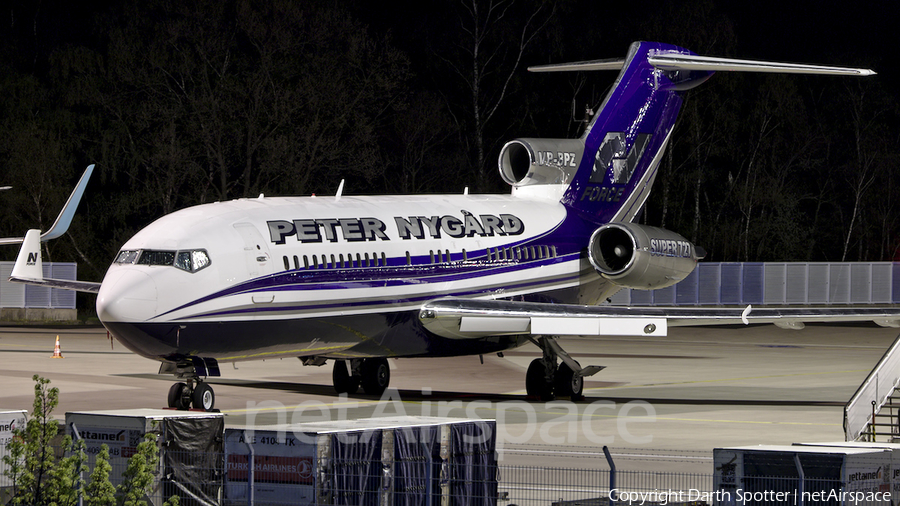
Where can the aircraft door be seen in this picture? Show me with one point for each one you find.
(256, 250)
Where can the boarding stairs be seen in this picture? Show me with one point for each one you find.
(885, 424)
(873, 413)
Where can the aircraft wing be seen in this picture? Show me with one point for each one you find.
(61, 225)
(459, 318)
(28, 268)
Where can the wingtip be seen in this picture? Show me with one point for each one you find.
(745, 314)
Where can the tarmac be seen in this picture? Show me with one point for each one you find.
(667, 400)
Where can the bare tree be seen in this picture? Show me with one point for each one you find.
(491, 55)
(864, 171)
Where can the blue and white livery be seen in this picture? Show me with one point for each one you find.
(359, 279)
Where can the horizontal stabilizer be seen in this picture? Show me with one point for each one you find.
(673, 61)
(609, 64)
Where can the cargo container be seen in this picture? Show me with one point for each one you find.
(801, 475)
(894, 448)
(397, 460)
(191, 450)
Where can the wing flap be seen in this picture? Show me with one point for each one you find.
(597, 326)
(458, 318)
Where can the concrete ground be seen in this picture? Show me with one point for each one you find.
(661, 403)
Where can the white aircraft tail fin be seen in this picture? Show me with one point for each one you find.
(28, 264)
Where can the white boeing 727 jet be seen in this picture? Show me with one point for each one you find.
(358, 280)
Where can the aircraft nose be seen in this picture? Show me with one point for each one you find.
(127, 295)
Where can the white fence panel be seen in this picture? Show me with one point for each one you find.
(882, 280)
(839, 279)
(17, 295)
(774, 283)
(796, 290)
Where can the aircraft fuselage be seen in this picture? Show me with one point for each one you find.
(337, 277)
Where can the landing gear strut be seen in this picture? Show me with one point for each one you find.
(547, 381)
(373, 374)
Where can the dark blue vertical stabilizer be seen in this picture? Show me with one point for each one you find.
(625, 142)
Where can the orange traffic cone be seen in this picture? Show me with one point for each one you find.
(56, 352)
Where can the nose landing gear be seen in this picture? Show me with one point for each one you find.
(193, 391)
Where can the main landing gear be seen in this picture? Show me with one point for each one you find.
(373, 374)
(191, 392)
(547, 381)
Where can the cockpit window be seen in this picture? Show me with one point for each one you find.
(192, 261)
(200, 259)
(150, 257)
(127, 256)
(186, 260)
(183, 261)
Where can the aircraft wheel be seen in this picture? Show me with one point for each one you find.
(203, 397)
(536, 381)
(179, 396)
(344, 382)
(567, 385)
(376, 375)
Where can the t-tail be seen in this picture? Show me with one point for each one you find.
(605, 176)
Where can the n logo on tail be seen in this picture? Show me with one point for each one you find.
(612, 156)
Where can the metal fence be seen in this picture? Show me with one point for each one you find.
(209, 479)
(349, 481)
(815, 283)
(18, 295)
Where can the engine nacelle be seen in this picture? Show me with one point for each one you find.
(637, 256)
(540, 161)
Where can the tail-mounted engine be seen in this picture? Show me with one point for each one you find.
(540, 161)
(637, 256)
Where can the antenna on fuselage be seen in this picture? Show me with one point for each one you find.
(340, 191)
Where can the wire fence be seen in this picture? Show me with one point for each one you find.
(756, 476)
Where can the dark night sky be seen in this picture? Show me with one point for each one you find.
(860, 34)
(833, 32)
